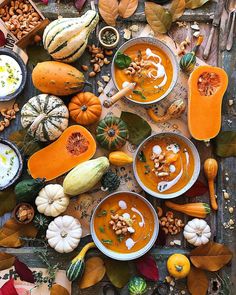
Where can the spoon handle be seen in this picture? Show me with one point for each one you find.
(225, 33)
(231, 34)
(209, 42)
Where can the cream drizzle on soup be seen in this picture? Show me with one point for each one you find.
(9, 164)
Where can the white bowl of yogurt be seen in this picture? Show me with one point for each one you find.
(11, 164)
(12, 74)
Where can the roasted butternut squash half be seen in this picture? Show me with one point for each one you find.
(74, 146)
(207, 85)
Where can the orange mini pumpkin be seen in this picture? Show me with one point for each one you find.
(85, 108)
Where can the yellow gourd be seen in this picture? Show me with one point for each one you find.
(119, 158)
(210, 169)
(178, 266)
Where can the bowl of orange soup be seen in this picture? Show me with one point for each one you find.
(153, 67)
(124, 225)
(166, 165)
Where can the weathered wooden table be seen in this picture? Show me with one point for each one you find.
(227, 167)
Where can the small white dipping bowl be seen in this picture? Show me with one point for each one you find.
(163, 47)
(132, 255)
(194, 177)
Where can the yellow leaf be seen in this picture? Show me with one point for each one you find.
(158, 17)
(58, 290)
(93, 273)
(127, 7)
(6, 260)
(109, 11)
(195, 3)
(177, 9)
(7, 201)
(197, 281)
(11, 232)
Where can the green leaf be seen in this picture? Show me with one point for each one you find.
(36, 54)
(158, 17)
(122, 60)
(7, 201)
(192, 4)
(119, 272)
(109, 242)
(139, 93)
(138, 128)
(27, 144)
(142, 157)
(225, 144)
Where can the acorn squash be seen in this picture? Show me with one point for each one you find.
(74, 146)
(207, 85)
(65, 39)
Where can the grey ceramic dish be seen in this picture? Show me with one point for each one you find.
(162, 46)
(191, 181)
(132, 255)
(5, 51)
(18, 174)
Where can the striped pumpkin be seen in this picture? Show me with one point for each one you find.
(76, 268)
(187, 62)
(65, 39)
(45, 116)
(112, 133)
(137, 286)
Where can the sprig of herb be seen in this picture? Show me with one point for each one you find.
(138, 92)
(102, 213)
(122, 60)
(102, 229)
(148, 170)
(109, 242)
(120, 238)
(142, 157)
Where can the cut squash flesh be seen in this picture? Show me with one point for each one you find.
(74, 146)
(207, 85)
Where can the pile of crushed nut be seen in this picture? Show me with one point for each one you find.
(162, 163)
(138, 67)
(24, 213)
(20, 17)
(122, 225)
(169, 224)
(8, 115)
(99, 59)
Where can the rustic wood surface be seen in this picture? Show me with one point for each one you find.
(226, 176)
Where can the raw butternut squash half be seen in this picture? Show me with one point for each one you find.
(207, 85)
(74, 146)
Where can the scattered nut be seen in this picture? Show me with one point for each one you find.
(196, 34)
(106, 78)
(92, 74)
(226, 195)
(84, 68)
(159, 211)
(100, 89)
(134, 28)
(195, 27)
(127, 34)
(171, 225)
(231, 209)
(108, 52)
(231, 102)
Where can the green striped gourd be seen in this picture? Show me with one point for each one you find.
(137, 286)
(112, 133)
(188, 61)
(65, 39)
(75, 269)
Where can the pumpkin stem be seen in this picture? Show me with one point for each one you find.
(198, 43)
(37, 121)
(63, 234)
(111, 132)
(178, 267)
(84, 108)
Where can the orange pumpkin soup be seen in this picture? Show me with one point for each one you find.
(150, 68)
(124, 223)
(165, 164)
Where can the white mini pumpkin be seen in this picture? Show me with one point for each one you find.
(64, 233)
(197, 232)
(51, 200)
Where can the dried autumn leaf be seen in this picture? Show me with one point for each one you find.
(6, 260)
(93, 273)
(79, 4)
(8, 288)
(225, 144)
(127, 7)
(119, 272)
(109, 11)
(7, 201)
(192, 4)
(211, 256)
(11, 232)
(177, 9)
(58, 290)
(23, 271)
(147, 267)
(3, 40)
(197, 281)
(158, 17)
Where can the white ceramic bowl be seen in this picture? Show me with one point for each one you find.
(191, 181)
(125, 256)
(162, 46)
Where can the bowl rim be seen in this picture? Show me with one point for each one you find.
(167, 48)
(125, 256)
(196, 171)
(18, 59)
(109, 46)
(19, 171)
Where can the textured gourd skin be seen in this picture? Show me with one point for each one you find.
(178, 266)
(65, 39)
(26, 190)
(57, 78)
(137, 286)
(204, 112)
(119, 158)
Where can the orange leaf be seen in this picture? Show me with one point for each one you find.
(177, 9)
(93, 273)
(127, 7)
(211, 256)
(109, 11)
(6, 260)
(58, 290)
(197, 281)
(11, 232)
